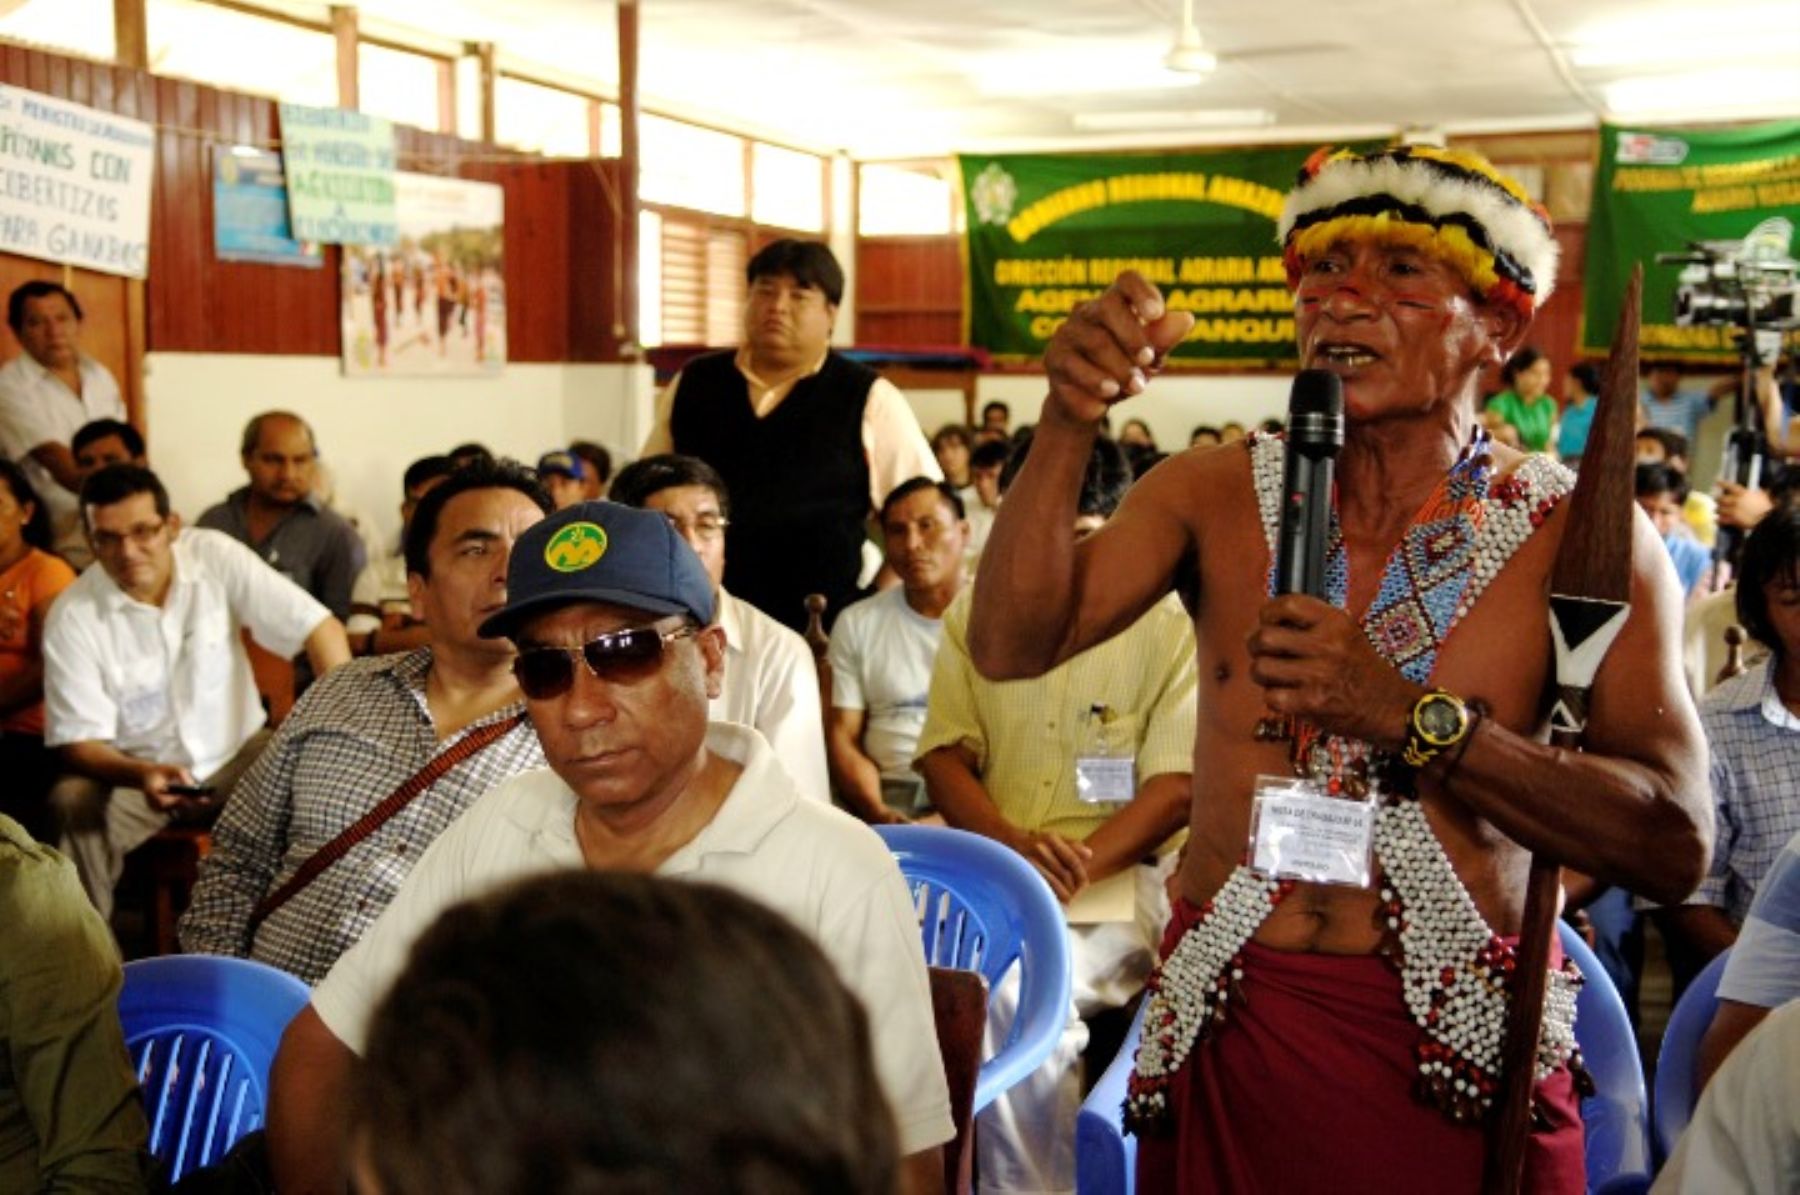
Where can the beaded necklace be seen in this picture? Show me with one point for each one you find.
(1455, 971)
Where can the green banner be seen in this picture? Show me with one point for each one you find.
(1658, 189)
(1048, 232)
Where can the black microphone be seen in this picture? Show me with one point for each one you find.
(1315, 434)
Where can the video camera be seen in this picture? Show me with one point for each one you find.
(1751, 283)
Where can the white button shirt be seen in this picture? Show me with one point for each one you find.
(772, 684)
(171, 683)
(37, 408)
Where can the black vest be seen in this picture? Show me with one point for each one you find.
(798, 479)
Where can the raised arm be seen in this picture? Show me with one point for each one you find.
(1039, 598)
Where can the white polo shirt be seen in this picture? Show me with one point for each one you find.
(37, 408)
(826, 872)
(772, 684)
(171, 683)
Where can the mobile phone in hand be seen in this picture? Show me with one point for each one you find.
(189, 790)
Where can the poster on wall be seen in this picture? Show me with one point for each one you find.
(1048, 232)
(340, 175)
(434, 302)
(75, 184)
(1662, 190)
(250, 210)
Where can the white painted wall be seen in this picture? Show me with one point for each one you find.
(1172, 406)
(370, 430)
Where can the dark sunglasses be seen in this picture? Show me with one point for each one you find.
(620, 658)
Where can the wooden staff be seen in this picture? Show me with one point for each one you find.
(1590, 597)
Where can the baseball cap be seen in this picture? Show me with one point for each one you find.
(566, 463)
(602, 552)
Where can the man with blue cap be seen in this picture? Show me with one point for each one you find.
(619, 653)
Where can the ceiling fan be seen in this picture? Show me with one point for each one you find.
(1189, 53)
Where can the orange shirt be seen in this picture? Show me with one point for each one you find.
(26, 591)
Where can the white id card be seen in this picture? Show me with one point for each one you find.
(1105, 778)
(1298, 832)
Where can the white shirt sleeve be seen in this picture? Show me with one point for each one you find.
(278, 612)
(24, 422)
(790, 717)
(846, 658)
(1745, 1135)
(77, 706)
(661, 439)
(896, 448)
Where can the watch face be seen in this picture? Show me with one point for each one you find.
(1440, 719)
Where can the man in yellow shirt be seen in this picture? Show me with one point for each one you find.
(1085, 771)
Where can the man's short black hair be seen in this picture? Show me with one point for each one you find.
(1657, 477)
(1771, 554)
(1673, 442)
(37, 527)
(913, 485)
(96, 430)
(37, 288)
(253, 431)
(591, 1031)
(808, 263)
(949, 432)
(595, 455)
(1205, 429)
(115, 483)
(1102, 487)
(995, 405)
(426, 468)
(480, 475)
(462, 454)
(642, 480)
(988, 454)
(1586, 375)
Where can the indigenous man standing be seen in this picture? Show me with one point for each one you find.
(1345, 1028)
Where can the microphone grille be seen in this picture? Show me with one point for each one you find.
(1316, 392)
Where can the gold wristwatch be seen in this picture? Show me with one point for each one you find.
(1439, 721)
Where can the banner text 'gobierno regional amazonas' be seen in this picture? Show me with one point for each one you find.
(1048, 232)
(1658, 189)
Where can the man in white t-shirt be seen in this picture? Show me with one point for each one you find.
(147, 687)
(619, 654)
(46, 394)
(771, 682)
(882, 648)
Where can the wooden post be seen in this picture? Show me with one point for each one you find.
(446, 81)
(483, 53)
(343, 28)
(625, 302)
(131, 34)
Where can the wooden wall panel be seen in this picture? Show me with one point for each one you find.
(196, 303)
(909, 291)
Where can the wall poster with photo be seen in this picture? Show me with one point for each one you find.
(434, 302)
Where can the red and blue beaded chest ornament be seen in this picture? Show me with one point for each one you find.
(1455, 970)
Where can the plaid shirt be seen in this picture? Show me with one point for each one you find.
(1754, 741)
(358, 734)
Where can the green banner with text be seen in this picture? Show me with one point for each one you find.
(1657, 190)
(1048, 232)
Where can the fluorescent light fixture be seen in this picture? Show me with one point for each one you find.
(1168, 118)
(1700, 92)
(1689, 49)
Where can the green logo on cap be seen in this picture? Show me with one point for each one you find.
(575, 547)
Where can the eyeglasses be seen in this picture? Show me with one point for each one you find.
(140, 536)
(706, 527)
(619, 658)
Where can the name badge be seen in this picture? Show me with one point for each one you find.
(1105, 778)
(1299, 832)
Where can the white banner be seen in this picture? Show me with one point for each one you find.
(75, 183)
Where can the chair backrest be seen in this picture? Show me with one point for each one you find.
(1676, 1088)
(202, 1032)
(983, 908)
(1615, 1117)
(959, 1006)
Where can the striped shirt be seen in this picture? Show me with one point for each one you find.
(1764, 968)
(357, 735)
(1025, 734)
(1754, 741)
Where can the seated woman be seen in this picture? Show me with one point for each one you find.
(30, 579)
(599, 1031)
(1526, 404)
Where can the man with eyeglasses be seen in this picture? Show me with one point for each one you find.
(619, 654)
(147, 687)
(770, 680)
(807, 440)
(367, 730)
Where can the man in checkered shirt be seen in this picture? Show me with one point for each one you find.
(364, 730)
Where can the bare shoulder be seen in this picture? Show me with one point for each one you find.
(1190, 486)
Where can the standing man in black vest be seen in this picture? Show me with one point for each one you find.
(807, 440)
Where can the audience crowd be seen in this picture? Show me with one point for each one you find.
(612, 674)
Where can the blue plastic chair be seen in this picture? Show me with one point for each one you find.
(1616, 1117)
(202, 1033)
(1676, 1088)
(982, 908)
